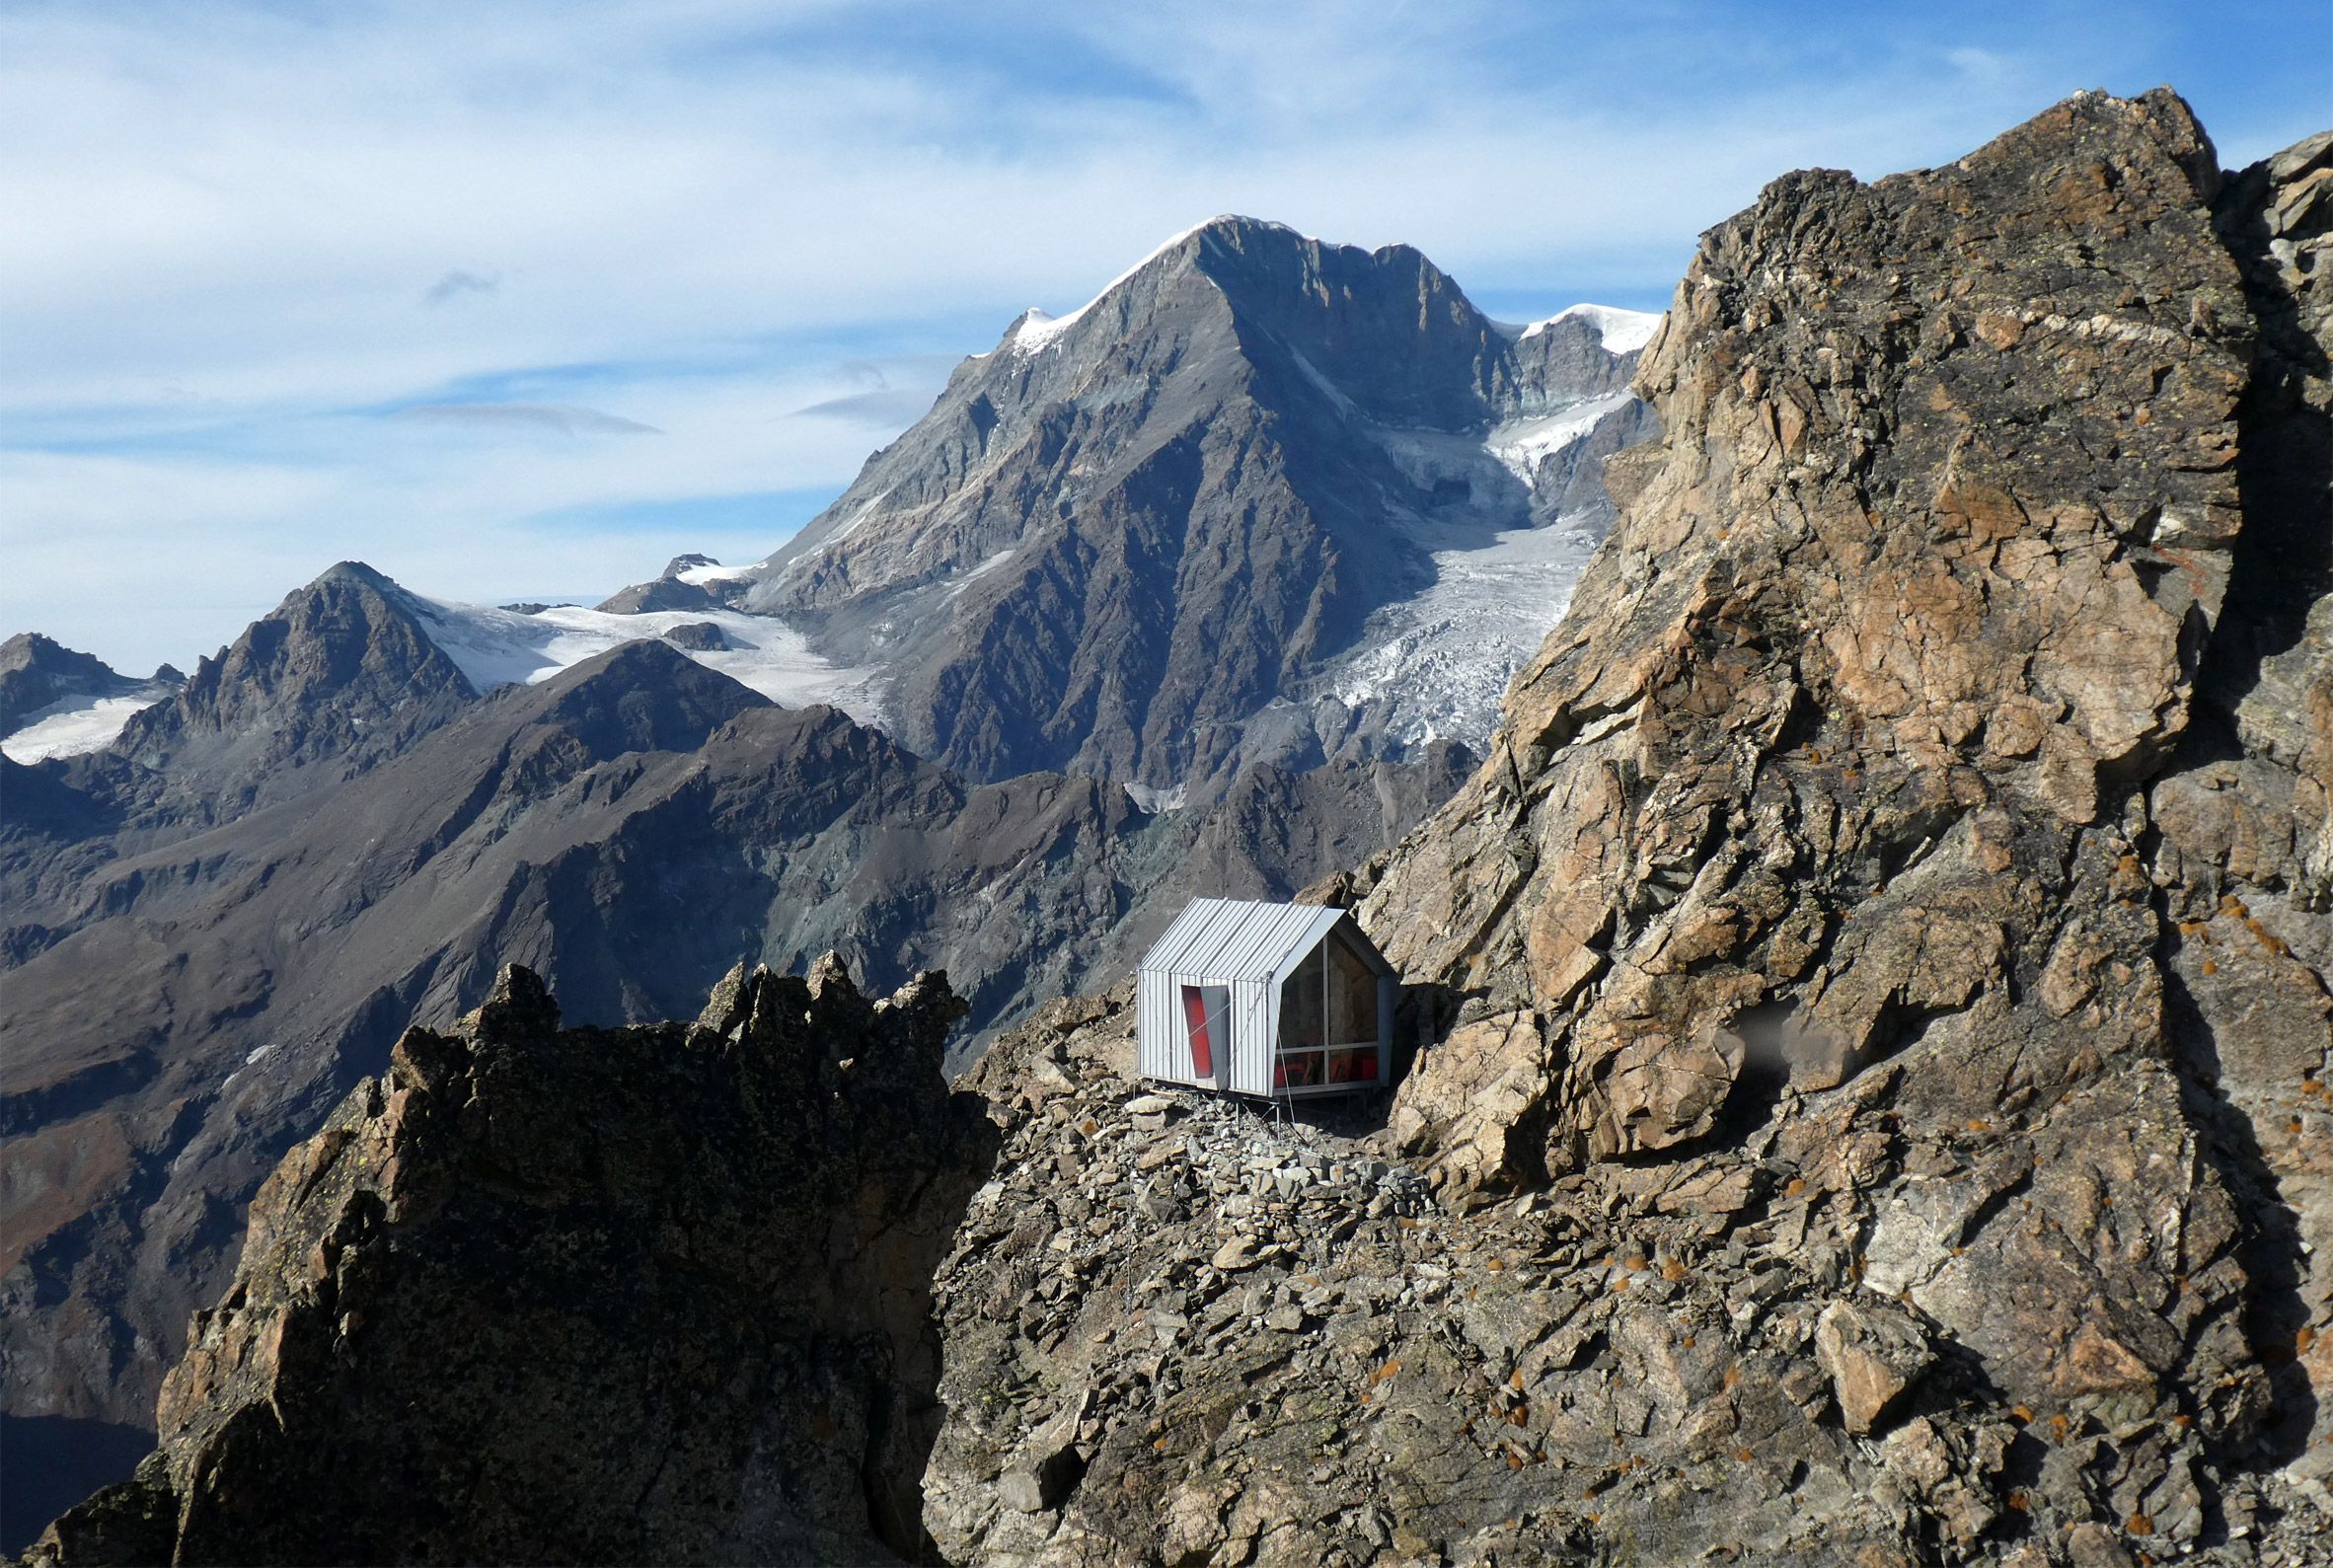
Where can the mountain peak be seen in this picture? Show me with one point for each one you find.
(1619, 332)
(640, 696)
(342, 672)
(1126, 530)
(356, 572)
(1231, 250)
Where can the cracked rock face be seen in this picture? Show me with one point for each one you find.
(1922, 569)
(588, 1296)
(1934, 756)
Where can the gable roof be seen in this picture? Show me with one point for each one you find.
(1228, 938)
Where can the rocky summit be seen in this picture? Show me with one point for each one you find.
(656, 1293)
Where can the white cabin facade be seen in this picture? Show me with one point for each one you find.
(1278, 1001)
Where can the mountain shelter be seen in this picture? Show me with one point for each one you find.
(1271, 1000)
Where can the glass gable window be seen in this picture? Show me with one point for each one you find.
(1327, 1020)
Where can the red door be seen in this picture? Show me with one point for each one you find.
(1194, 1017)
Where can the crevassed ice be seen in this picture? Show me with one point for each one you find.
(1438, 666)
(1521, 444)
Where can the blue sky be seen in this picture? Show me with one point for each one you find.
(518, 299)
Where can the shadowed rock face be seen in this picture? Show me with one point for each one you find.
(657, 1294)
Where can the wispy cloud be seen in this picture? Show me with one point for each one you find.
(708, 217)
(565, 418)
(457, 284)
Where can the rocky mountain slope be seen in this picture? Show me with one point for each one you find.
(1121, 534)
(657, 1294)
(1919, 779)
(341, 675)
(1876, 994)
(629, 829)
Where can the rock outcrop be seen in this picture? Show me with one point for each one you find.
(656, 1293)
(1923, 802)
(671, 591)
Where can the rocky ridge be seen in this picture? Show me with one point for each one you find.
(1180, 1332)
(1876, 990)
(1879, 788)
(656, 1293)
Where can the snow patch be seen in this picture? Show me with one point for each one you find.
(818, 548)
(1624, 331)
(851, 526)
(76, 725)
(699, 577)
(503, 647)
(972, 574)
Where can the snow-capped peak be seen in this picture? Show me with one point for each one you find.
(1624, 331)
(1034, 330)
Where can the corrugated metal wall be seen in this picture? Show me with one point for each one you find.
(1255, 1020)
(1251, 947)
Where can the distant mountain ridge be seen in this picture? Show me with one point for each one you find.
(55, 699)
(632, 827)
